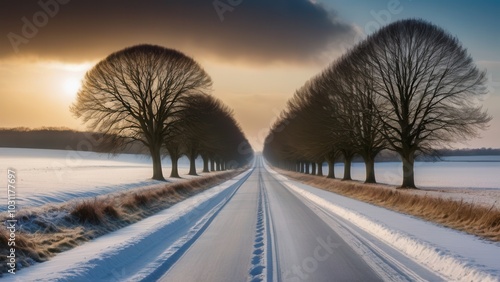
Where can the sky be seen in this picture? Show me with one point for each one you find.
(258, 52)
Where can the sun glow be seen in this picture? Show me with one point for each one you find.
(71, 76)
(70, 86)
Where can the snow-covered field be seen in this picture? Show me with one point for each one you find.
(473, 179)
(452, 172)
(51, 176)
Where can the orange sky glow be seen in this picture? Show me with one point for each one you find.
(255, 65)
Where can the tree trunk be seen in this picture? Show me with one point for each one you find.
(347, 167)
(370, 169)
(313, 168)
(192, 164)
(320, 169)
(218, 165)
(408, 170)
(157, 170)
(175, 171)
(331, 169)
(205, 163)
(212, 165)
(307, 167)
(330, 157)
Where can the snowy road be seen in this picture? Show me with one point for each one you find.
(261, 226)
(228, 239)
(306, 247)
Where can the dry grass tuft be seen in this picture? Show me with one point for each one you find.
(111, 211)
(474, 219)
(142, 200)
(89, 212)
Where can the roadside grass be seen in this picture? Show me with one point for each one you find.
(45, 231)
(468, 217)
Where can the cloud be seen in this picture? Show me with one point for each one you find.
(257, 31)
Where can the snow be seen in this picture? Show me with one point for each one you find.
(51, 176)
(146, 249)
(139, 250)
(454, 255)
(460, 172)
(472, 179)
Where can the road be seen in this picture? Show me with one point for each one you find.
(228, 239)
(266, 232)
(307, 248)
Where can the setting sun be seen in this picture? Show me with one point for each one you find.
(71, 86)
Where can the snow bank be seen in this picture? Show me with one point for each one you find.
(452, 254)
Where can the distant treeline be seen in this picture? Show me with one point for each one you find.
(57, 138)
(470, 152)
(61, 138)
(390, 156)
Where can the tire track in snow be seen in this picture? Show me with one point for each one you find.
(262, 262)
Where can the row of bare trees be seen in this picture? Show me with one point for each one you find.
(206, 128)
(157, 97)
(410, 87)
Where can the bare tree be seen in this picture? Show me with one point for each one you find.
(305, 132)
(175, 146)
(232, 149)
(134, 94)
(352, 98)
(199, 128)
(189, 132)
(428, 85)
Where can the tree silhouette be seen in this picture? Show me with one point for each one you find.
(206, 127)
(196, 127)
(231, 148)
(135, 95)
(428, 86)
(353, 98)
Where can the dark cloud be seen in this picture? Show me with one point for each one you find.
(257, 31)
